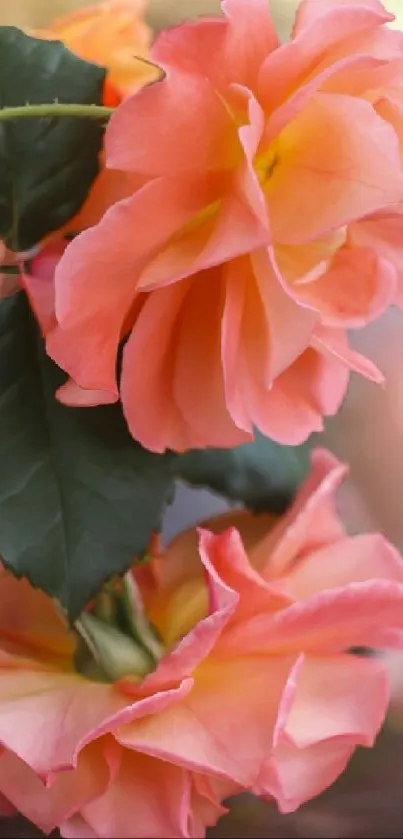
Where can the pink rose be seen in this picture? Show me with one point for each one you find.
(261, 234)
(231, 669)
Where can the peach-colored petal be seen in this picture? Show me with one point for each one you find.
(49, 805)
(222, 726)
(74, 396)
(360, 614)
(313, 387)
(300, 775)
(30, 625)
(309, 524)
(352, 559)
(357, 287)
(39, 283)
(212, 422)
(189, 646)
(263, 329)
(368, 12)
(196, 137)
(226, 554)
(338, 32)
(40, 289)
(109, 187)
(146, 389)
(207, 794)
(333, 345)
(68, 711)
(349, 74)
(148, 796)
(383, 231)
(224, 50)
(232, 225)
(338, 704)
(76, 828)
(55, 709)
(85, 294)
(251, 36)
(316, 186)
(166, 386)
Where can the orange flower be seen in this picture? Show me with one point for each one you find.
(114, 34)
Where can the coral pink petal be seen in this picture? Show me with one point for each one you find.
(313, 387)
(148, 798)
(233, 224)
(290, 327)
(152, 415)
(319, 46)
(181, 559)
(309, 524)
(76, 828)
(245, 347)
(198, 130)
(317, 187)
(349, 75)
(357, 287)
(263, 332)
(333, 344)
(109, 187)
(192, 649)
(48, 806)
(39, 284)
(350, 560)
(295, 776)
(207, 794)
(167, 385)
(383, 231)
(226, 730)
(30, 625)
(97, 279)
(338, 704)
(67, 713)
(368, 13)
(41, 296)
(360, 614)
(226, 554)
(212, 422)
(74, 396)
(251, 36)
(57, 709)
(223, 50)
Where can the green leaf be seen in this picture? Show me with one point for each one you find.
(46, 165)
(79, 499)
(262, 475)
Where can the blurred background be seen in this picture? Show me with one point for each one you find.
(368, 433)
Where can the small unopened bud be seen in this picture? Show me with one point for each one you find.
(117, 654)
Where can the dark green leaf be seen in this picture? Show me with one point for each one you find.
(262, 475)
(79, 499)
(46, 165)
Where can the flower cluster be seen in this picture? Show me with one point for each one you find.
(247, 213)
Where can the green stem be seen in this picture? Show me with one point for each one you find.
(55, 109)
